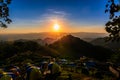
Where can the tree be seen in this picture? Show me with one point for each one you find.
(4, 13)
(113, 25)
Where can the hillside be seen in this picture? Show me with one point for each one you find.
(21, 50)
(74, 47)
(111, 45)
(66, 47)
(90, 35)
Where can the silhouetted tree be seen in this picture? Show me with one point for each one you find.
(4, 13)
(113, 25)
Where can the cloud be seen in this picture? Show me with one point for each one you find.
(49, 17)
(57, 12)
(52, 15)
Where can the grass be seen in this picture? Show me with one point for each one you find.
(79, 76)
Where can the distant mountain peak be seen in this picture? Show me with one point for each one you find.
(70, 39)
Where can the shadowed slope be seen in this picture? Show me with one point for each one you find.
(73, 47)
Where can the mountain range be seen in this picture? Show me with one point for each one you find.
(115, 46)
(74, 47)
(68, 46)
(83, 35)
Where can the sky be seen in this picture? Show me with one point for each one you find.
(34, 16)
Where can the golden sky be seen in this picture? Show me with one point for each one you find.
(17, 29)
(71, 15)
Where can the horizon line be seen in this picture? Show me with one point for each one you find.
(55, 32)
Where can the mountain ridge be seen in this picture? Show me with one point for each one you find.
(75, 47)
(43, 35)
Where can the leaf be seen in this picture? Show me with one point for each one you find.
(107, 5)
(8, 20)
(3, 25)
(4, 13)
(8, 1)
(106, 10)
(1, 1)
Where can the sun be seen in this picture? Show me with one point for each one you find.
(56, 27)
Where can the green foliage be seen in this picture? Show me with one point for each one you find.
(113, 25)
(4, 13)
(22, 58)
(23, 46)
(19, 51)
(115, 58)
(6, 50)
